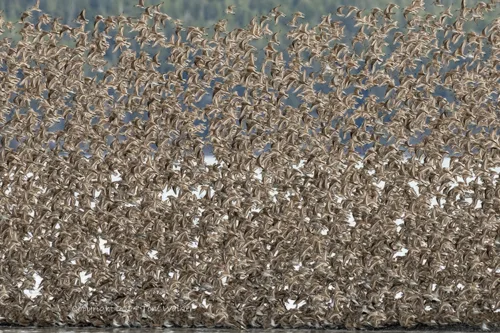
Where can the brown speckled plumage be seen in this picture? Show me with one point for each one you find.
(403, 233)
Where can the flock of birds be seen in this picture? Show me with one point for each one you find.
(373, 202)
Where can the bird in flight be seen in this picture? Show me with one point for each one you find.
(140, 4)
(230, 9)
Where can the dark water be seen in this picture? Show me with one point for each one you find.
(201, 330)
